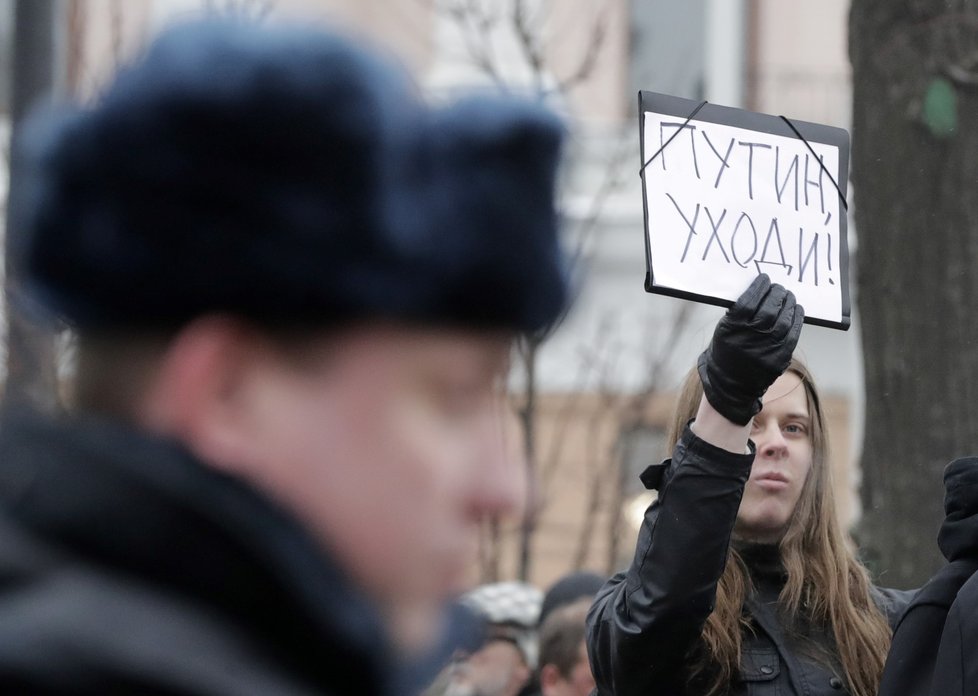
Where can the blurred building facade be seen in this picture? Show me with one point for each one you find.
(602, 384)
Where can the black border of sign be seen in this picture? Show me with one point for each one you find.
(765, 123)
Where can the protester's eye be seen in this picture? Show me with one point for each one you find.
(795, 429)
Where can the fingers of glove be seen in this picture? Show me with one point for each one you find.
(795, 331)
(771, 309)
(785, 317)
(746, 306)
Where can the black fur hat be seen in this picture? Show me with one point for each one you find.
(291, 176)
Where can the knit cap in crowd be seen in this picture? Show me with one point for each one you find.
(510, 610)
(570, 588)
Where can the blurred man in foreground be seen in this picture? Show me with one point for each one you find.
(294, 287)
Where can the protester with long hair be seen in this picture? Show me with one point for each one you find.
(743, 581)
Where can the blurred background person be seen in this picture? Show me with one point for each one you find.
(564, 669)
(502, 663)
(579, 584)
(567, 589)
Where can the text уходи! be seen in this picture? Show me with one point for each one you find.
(730, 194)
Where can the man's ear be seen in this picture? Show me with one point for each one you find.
(200, 394)
(549, 678)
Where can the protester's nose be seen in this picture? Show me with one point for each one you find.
(770, 441)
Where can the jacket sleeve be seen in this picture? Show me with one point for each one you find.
(955, 669)
(893, 603)
(645, 620)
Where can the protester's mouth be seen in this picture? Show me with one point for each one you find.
(771, 481)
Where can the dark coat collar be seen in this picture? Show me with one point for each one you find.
(142, 508)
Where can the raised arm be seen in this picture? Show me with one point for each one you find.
(645, 621)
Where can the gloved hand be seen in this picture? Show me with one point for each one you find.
(751, 347)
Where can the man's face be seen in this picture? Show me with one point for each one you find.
(391, 444)
(579, 682)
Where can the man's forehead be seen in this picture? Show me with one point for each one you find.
(430, 344)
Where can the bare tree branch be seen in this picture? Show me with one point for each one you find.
(247, 10)
(611, 182)
(529, 42)
(475, 26)
(596, 481)
(490, 551)
(479, 23)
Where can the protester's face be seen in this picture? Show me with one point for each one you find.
(496, 669)
(782, 434)
(391, 444)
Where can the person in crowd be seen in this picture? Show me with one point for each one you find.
(567, 589)
(933, 649)
(564, 669)
(579, 584)
(295, 288)
(743, 581)
(501, 664)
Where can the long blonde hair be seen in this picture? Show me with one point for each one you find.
(826, 584)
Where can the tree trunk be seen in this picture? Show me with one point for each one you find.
(31, 368)
(528, 417)
(915, 176)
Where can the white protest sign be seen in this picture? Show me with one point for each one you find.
(730, 194)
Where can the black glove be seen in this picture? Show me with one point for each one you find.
(751, 347)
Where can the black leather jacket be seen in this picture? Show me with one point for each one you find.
(645, 621)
